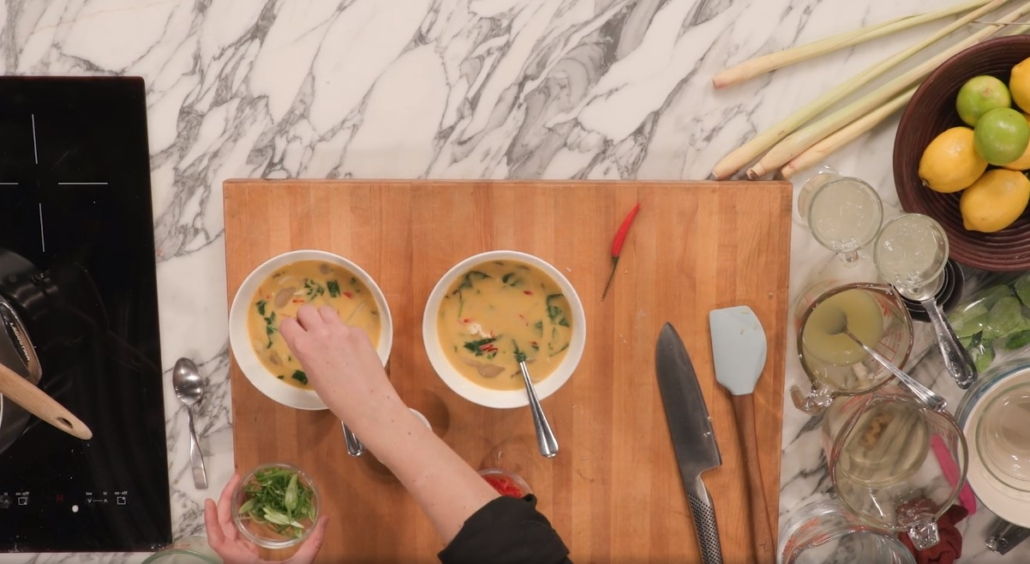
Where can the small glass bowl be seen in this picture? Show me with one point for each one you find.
(1002, 439)
(506, 482)
(264, 535)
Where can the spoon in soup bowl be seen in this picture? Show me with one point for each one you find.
(932, 399)
(545, 439)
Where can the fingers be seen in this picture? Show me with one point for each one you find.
(224, 504)
(309, 317)
(290, 330)
(329, 315)
(215, 535)
(312, 545)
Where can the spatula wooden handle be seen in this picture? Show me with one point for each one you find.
(761, 532)
(39, 403)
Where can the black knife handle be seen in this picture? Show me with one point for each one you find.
(704, 523)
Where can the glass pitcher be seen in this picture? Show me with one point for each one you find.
(823, 532)
(889, 457)
(837, 366)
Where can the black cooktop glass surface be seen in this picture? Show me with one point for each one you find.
(77, 265)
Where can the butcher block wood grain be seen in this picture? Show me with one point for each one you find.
(613, 492)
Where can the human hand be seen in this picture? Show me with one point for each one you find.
(224, 538)
(340, 362)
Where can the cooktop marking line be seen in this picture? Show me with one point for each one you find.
(82, 183)
(35, 151)
(8, 183)
(42, 236)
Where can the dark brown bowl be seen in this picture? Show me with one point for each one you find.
(931, 111)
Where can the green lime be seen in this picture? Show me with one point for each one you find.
(980, 95)
(1001, 135)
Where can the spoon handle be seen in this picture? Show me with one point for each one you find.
(932, 399)
(354, 446)
(545, 438)
(196, 457)
(956, 359)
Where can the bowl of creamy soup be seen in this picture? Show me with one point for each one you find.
(274, 291)
(493, 309)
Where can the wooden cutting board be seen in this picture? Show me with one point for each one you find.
(613, 492)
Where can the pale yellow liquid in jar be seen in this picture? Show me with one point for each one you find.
(864, 320)
(910, 253)
(845, 215)
(888, 444)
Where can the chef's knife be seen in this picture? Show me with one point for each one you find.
(692, 436)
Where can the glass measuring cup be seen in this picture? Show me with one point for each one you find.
(823, 531)
(844, 215)
(884, 455)
(836, 365)
(910, 254)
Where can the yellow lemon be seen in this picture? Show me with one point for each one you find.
(1019, 85)
(950, 162)
(1023, 162)
(994, 201)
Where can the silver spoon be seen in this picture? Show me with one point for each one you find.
(189, 388)
(354, 446)
(545, 438)
(901, 242)
(956, 359)
(932, 399)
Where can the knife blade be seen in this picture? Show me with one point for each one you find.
(692, 436)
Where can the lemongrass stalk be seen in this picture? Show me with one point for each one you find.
(816, 153)
(795, 143)
(747, 152)
(766, 63)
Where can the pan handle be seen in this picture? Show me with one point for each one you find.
(39, 403)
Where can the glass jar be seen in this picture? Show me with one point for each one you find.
(824, 531)
(837, 366)
(895, 463)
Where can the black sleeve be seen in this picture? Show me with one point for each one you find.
(506, 531)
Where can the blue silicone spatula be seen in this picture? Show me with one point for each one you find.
(738, 349)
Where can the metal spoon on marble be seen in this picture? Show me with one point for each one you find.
(189, 388)
(932, 399)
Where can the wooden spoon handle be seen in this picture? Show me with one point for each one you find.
(39, 403)
(761, 532)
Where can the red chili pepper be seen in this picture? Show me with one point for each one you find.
(504, 485)
(527, 292)
(348, 294)
(297, 300)
(466, 320)
(617, 242)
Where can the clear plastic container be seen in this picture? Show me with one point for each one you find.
(823, 531)
(275, 530)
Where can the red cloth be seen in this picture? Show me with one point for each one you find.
(950, 548)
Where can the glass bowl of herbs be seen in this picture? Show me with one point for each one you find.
(275, 506)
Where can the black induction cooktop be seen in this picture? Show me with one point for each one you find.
(77, 264)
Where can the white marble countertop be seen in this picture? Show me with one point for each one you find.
(443, 89)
